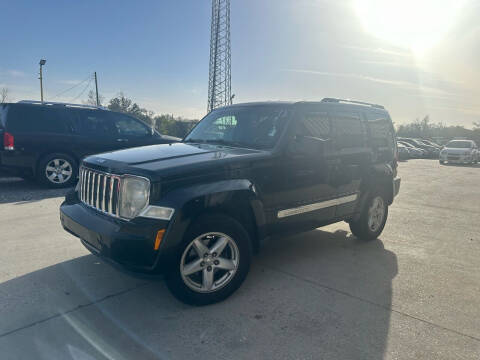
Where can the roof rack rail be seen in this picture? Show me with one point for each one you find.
(51, 103)
(335, 100)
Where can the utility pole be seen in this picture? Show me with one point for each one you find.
(96, 88)
(42, 62)
(219, 81)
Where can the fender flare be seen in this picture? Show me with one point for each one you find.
(379, 176)
(237, 198)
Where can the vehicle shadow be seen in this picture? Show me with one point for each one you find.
(313, 295)
(18, 190)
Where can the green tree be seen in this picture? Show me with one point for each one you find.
(166, 124)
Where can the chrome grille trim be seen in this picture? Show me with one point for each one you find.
(100, 190)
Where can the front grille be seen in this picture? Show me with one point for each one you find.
(100, 190)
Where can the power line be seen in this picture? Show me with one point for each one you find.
(81, 93)
(74, 86)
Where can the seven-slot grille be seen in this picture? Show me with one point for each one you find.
(100, 190)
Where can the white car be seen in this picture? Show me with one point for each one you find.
(460, 151)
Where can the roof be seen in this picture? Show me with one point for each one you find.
(330, 101)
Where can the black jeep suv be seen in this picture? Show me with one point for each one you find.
(47, 140)
(197, 210)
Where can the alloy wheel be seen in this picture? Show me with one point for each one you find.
(58, 171)
(209, 262)
(376, 214)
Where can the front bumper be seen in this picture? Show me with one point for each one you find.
(457, 158)
(128, 243)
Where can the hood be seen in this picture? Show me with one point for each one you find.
(158, 161)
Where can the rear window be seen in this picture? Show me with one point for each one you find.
(38, 119)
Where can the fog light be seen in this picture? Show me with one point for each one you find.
(157, 212)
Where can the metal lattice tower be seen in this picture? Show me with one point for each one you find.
(219, 81)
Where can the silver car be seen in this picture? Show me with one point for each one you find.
(460, 151)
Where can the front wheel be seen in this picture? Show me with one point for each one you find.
(212, 262)
(372, 219)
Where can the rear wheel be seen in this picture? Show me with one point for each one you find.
(372, 219)
(57, 170)
(212, 262)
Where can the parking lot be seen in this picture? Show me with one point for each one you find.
(413, 294)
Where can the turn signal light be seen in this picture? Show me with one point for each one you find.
(158, 239)
(8, 141)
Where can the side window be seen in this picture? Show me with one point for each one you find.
(40, 119)
(128, 126)
(381, 131)
(350, 130)
(316, 124)
(95, 123)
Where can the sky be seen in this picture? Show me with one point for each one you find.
(415, 57)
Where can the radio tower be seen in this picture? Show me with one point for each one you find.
(219, 80)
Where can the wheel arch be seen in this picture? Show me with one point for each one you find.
(48, 152)
(237, 199)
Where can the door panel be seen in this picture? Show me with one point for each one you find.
(303, 198)
(352, 156)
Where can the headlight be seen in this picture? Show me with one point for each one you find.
(134, 195)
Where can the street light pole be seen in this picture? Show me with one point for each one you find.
(42, 62)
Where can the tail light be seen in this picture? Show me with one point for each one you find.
(8, 141)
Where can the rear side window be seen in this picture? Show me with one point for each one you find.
(316, 124)
(381, 131)
(350, 130)
(38, 119)
(95, 123)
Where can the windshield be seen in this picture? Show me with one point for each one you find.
(459, 144)
(257, 127)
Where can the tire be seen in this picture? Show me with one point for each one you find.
(441, 162)
(201, 281)
(363, 228)
(57, 171)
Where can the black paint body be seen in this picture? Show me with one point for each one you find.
(250, 185)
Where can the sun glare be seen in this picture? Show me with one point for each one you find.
(414, 24)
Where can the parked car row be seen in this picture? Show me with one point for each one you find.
(455, 151)
(417, 148)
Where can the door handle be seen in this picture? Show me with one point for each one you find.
(122, 140)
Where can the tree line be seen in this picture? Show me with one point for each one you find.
(425, 129)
